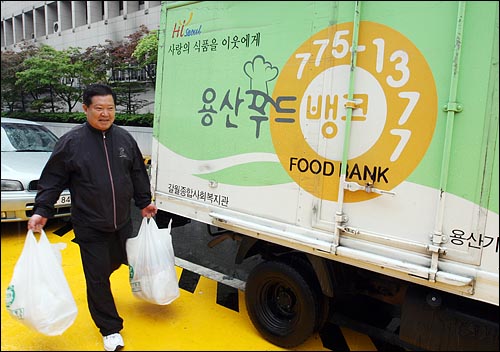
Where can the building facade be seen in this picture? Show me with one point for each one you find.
(62, 24)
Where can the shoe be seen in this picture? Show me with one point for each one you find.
(113, 342)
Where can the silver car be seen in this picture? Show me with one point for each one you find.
(26, 147)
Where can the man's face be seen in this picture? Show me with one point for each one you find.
(101, 112)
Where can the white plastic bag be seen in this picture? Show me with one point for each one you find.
(39, 295)
(151, 263)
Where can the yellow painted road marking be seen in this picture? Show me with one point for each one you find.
(192, 322)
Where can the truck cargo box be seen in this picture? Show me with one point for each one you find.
(356, 134)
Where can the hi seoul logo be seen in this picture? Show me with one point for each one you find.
(181, 28)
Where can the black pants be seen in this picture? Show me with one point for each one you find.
(102, 253)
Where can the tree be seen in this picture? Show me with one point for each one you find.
(54, 77)
(125, 69)
(13, 96)
(75, 72)
(38, 78)
(96, 60)
(146, 54)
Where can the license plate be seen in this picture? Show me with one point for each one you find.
(63, 200)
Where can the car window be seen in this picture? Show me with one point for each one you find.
(24, 137)
(6, 145)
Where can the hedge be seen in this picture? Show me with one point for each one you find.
(142, 120)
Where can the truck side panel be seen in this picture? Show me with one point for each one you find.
(268, 123)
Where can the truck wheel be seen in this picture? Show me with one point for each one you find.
(302, 265)
(281, 303)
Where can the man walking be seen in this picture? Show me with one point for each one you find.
(103, 168)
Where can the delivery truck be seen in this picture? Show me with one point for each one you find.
(353, 146)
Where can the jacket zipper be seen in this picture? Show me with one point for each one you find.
(110, 178)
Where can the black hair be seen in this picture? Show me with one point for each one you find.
(97, 89)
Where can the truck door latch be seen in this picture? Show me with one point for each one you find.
(368, 188)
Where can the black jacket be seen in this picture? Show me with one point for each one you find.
(103, 171)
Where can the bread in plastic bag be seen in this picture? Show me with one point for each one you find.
(151, 262)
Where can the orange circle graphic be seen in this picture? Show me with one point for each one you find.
(393, 118)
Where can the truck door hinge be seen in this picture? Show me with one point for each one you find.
(436, 250)
(341, 218)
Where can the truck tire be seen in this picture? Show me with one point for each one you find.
(303, 265)
(281, 303)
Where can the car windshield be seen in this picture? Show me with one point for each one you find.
(17, 137)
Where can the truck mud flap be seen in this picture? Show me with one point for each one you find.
(163, 218)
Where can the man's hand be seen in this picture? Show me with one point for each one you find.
(36, 223)
(149, 211)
